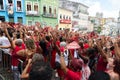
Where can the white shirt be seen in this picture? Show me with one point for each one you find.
(57, 59)
(75, 53)
(4, 42)
(85, 72)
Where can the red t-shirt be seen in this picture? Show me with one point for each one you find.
(15, 57)
(86, 45)
(101, 65)
(70, 75)
(58, 43)
(37, 47)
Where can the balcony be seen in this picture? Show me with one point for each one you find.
(10, 10)
(48, 15)
(32, 13)
(76, 16)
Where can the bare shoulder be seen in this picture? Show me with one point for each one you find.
(115, 76)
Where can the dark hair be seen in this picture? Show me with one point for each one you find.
(117, 66)
(62, 39)
(1, 32)
(57, 65)
(81, 45)
(10, 31)
(48, 38)
(30, 44)
(18, 34)
(90, 52)
(41, 71)
(112, 48)
(100, 75)
(76, 65)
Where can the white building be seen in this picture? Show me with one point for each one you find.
(64, 19)
(118, 23)
(80, 14)
(110, 29)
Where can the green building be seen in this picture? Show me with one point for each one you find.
(43, 11)
(32, 11)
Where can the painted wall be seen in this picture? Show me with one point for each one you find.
(32, 17)
(47, 19)
(3, 11)
(19, 13)
(15, 14)
(67, 22)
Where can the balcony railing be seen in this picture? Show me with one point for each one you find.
(76, 16)
(32, 13)
(48, 15)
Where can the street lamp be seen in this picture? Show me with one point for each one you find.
(33, 13)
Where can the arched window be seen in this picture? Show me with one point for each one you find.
(63, 16)
(36, 7)
(55, 11)
(60, 16)
(19, 5)
(69, 18)
(44, 10)
(66, 17)
(50, 10)
(29, 6)
(1, 5)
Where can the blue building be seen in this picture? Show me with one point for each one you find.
(12, 11)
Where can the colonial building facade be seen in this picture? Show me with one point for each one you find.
(80, 13)
(64, 19)
(49, 12)
(12, 11)
(32, 8)
(43, 11)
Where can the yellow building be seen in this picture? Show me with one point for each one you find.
(64, 19)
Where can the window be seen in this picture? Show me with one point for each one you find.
(55, 11)
(36, 7)
(60, 28)
(50, 10)
(60, 16)
(19, 5)
(10, 7)
(64, 17)
(69, 18)
(2, 18)
(20, 19)
(44, 10)
(11, 19)
(10, 1)
(29, 23)
(1, 5)
(29, 6)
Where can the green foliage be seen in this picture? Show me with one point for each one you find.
(99, 29)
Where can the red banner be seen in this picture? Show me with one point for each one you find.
(65, 21)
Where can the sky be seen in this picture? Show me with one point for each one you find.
(109, 8)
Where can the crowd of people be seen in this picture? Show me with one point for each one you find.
(36, 53)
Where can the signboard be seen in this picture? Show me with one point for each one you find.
(65, 21)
